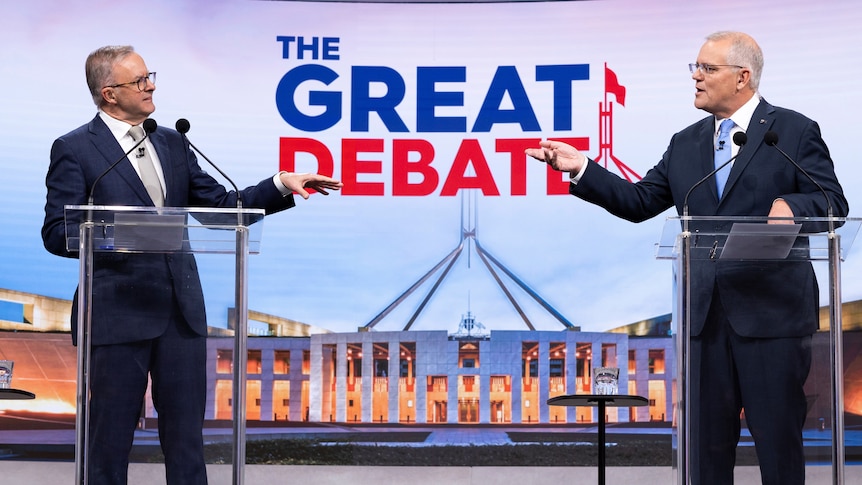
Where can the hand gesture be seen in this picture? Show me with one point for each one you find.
(560, 156)
(298, 182)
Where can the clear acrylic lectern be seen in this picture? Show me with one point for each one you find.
(687, 239)
(125, 229)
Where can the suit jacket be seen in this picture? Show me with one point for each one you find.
(762, 299)
(134, 294)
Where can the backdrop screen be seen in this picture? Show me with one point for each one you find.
(424, 111)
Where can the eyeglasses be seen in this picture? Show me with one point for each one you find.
(141, 82)
(709, 68)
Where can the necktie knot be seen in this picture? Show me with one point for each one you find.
(724, 133)
(136, 132)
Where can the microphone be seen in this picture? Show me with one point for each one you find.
(149, 126)
(771, 139)
(183, 126)
(739, 139)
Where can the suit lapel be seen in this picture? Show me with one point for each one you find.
(107, 145)
(760, 123)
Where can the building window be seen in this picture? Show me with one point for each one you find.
(656, 361)
(468, 351)
(557, 367)
(407, 359)
(354, 360)
(381, 360)
(281, 363)
(500, 384)
(468, 383)
(529, 359)
(438, 384)
(12, 311)
(224, 361)
(253, 366)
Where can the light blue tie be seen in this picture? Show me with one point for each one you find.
(723, 150)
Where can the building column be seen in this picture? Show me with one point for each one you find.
(367, 388)
(452, 398)
(572, 373)
(341, 383)
(316, 384)
(544, 381)
(517, 402)
(394, 379)
(420, 403)
(484, 396)
(267, 357)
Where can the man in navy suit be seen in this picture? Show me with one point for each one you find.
(148, 314)
(751, 322)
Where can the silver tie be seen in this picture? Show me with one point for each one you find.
(147, 169)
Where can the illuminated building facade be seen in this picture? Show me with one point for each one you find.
(432, 377)
(300, 373)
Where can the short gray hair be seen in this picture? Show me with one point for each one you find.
(99, 68)
(743, 51)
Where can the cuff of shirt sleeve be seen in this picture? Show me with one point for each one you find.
(276, 179)
(575, 177)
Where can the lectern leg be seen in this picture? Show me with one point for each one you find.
(85, 317)
(240, 356)
(836, 359)
(601, 442)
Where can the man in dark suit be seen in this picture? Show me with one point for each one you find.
(148, 314)
(751, 323)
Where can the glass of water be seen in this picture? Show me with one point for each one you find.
(5, 374)
(606, 381)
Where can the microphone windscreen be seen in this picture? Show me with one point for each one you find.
(770, 138)
(183, 125)
(150, 125)
(740, 138)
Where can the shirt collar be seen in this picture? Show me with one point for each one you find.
(118, 128)
(743, 115)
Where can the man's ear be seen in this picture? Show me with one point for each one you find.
(743, 78)
(108, 95)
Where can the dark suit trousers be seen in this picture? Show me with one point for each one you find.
(765, 376)
(176, 362)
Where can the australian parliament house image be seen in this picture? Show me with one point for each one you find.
(471, 376)
(434, 377)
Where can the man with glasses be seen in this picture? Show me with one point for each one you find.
(148, 317)
(751, 323)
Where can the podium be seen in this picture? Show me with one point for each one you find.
(94, 229)
(689, 239)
